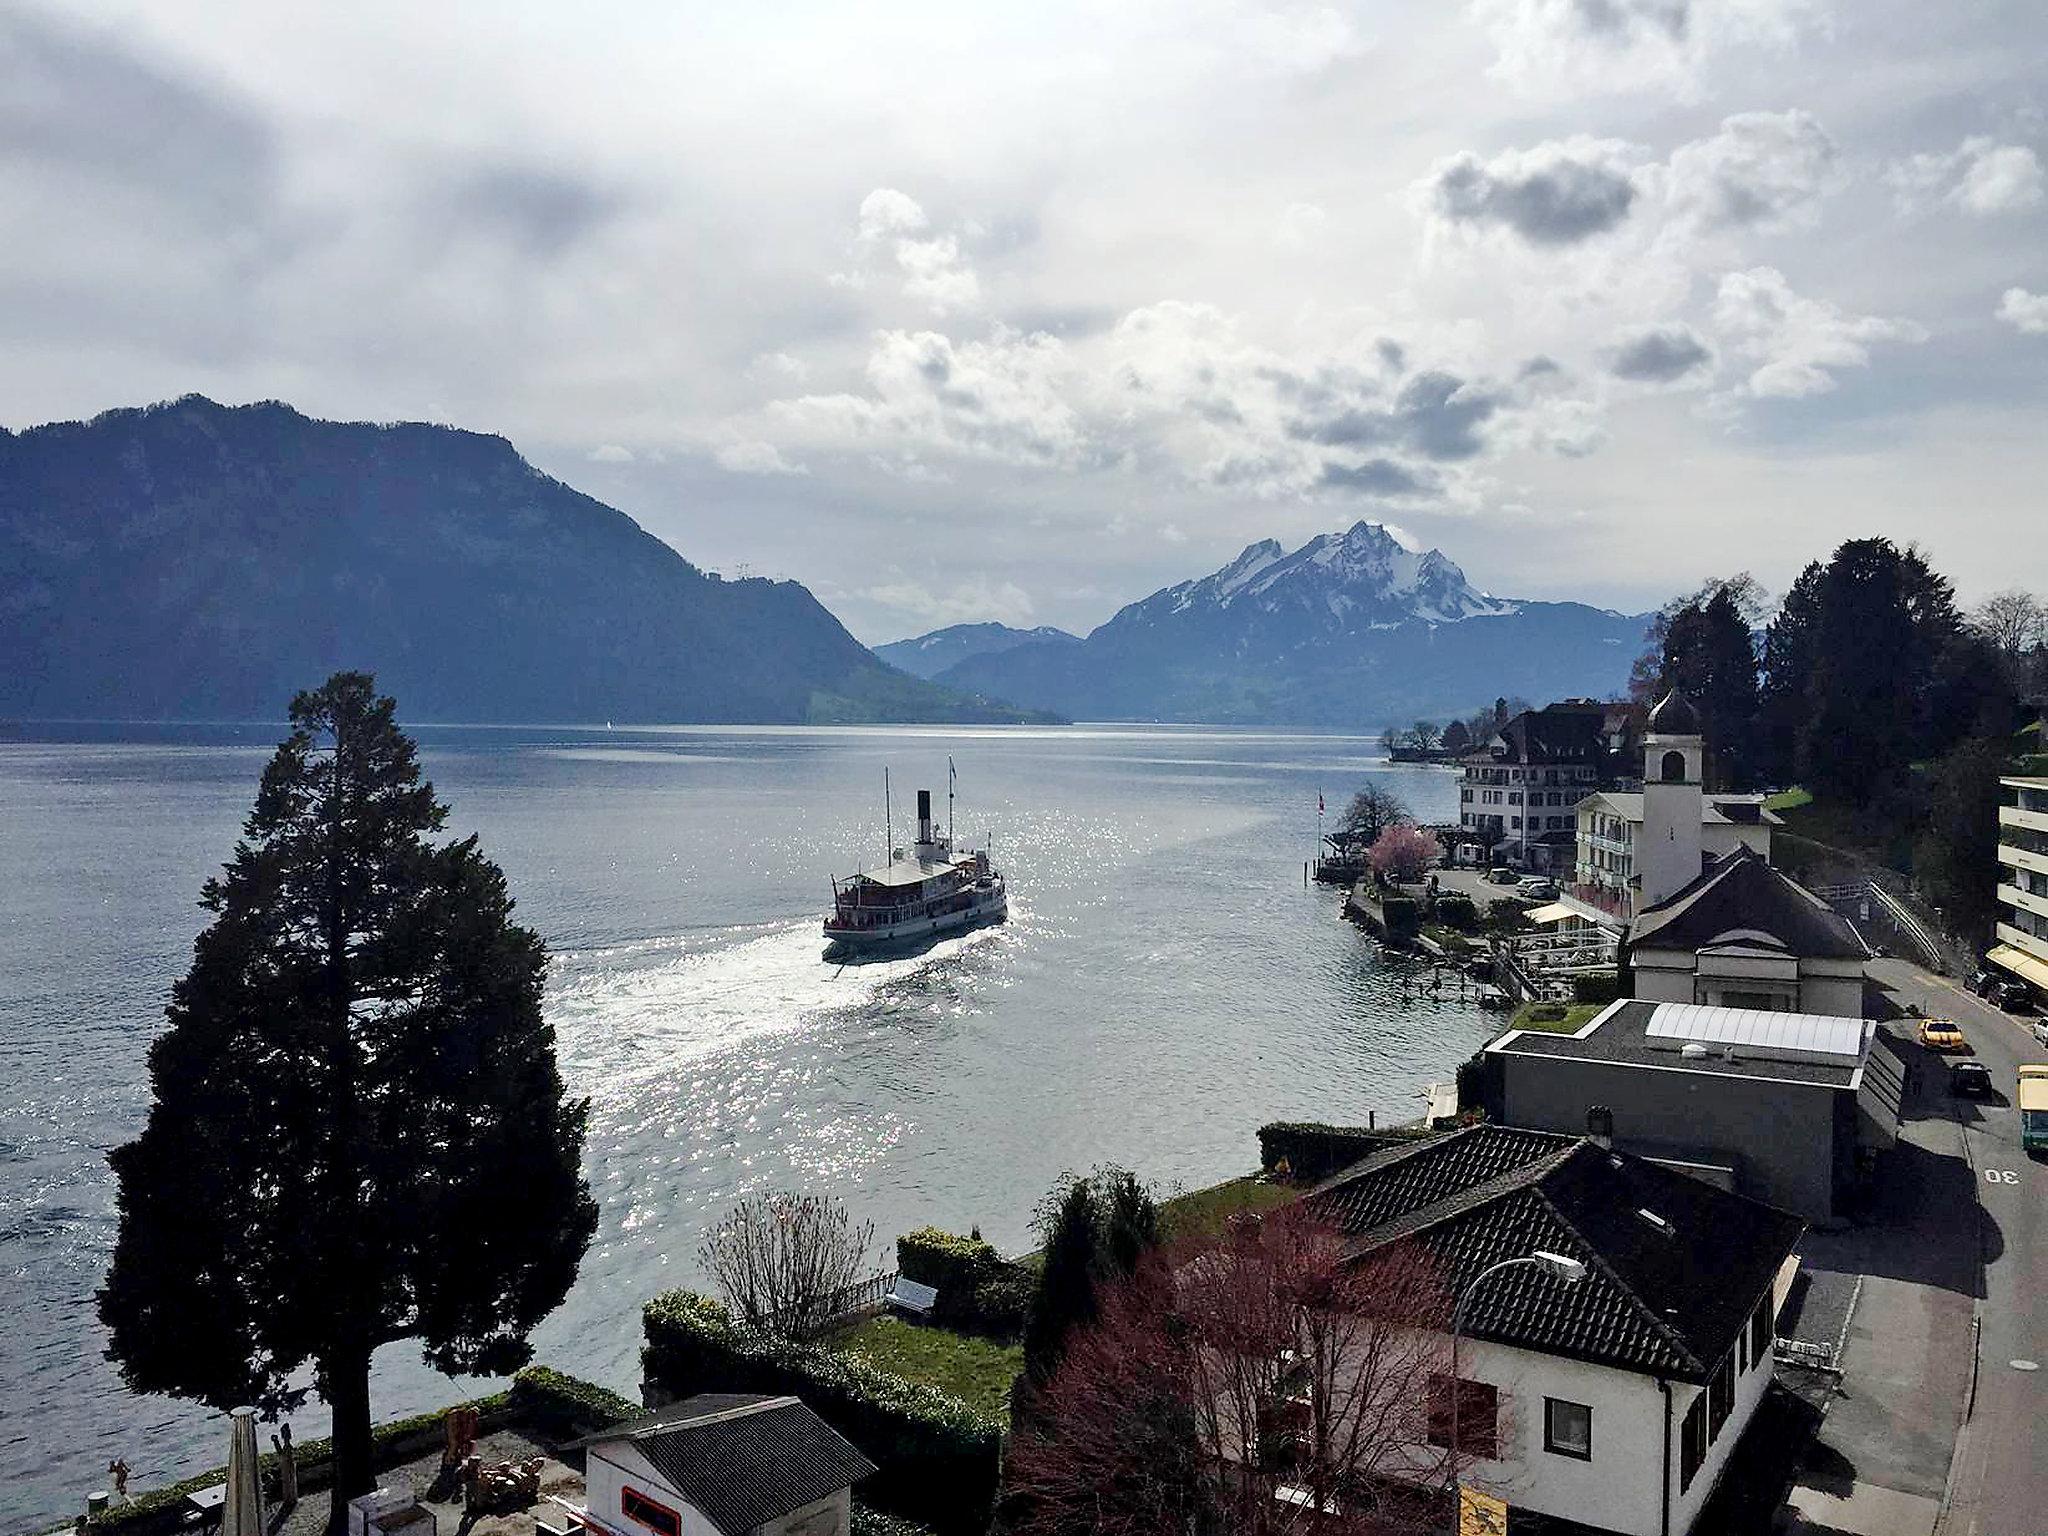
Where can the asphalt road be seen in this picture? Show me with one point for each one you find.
(1999, 1480)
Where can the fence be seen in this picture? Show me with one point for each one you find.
(844, 1304)
(1858, 899)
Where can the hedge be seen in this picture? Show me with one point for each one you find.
(1402, 916)
(551, 1402)
(1313, 1152)
(1596, 989)
(562, 1405)
(1455, 910)
(937, 1460)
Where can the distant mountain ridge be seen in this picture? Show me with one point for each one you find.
(1353, 628)
(928, 655)
(194, 560)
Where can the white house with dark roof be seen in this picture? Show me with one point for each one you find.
(722, 1465)
(1614, 1402)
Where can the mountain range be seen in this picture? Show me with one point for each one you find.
(1353, 628)
(196, 561)
(929, 655)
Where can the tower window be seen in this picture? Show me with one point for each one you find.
(1674, 768)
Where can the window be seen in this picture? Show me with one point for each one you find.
(1720, 1396)
(1568, 1428)
(1478, 1416)
(641, 1510)
(1760, 1333)
(1692, 1442)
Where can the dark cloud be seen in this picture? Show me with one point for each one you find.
(77, 103)
(1435, 414)
(1660, 355)
(542, 212)
(1620, 18)
(1380, 477)
(1551, 195)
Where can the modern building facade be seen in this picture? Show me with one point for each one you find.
(2022, 927)
(1778, 1106)
(1611, 1403)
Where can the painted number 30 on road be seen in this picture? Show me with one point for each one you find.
(2000, 1176)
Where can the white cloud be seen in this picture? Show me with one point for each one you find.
(611, 453)
(779, 366)
(1623, 46)
(975, 600)
(931, 268)
(1761, 169)
(1795, 346)
(1981, 176)
(1300, 227)
(2024, 311)
(754, 457)
(885, 212)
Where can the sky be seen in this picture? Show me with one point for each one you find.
(960, 312)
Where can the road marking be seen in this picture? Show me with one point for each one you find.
(2000, 1176)
(2026, 1365)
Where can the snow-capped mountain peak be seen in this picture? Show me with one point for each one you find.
(1366, 576)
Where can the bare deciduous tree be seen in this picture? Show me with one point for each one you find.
(1423, 735)
(1218, 1377)
(1371, 811)
(781, 1259)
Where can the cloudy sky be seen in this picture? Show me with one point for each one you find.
(964, 311)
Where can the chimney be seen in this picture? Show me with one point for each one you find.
(924, 815)
(1600, 1126)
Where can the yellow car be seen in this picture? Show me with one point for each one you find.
(1942, 1035)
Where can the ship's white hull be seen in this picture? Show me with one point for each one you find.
(991, 907)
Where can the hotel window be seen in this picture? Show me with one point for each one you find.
(1720, 1397)
(1692, 1442)
(641, 1510)
(1478, 1416)
(1568, 1428)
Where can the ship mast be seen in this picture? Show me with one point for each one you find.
(951, 775)
(888, 823)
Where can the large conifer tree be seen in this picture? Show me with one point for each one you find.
(358, 1133)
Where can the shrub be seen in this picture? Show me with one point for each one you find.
(562, 1405)
(1402, 916)
(862, 1521)
(1596, 989)
(976, 1286)
(936, 1459)
(1002, 1300)
(1457, 910)
(1548, 1013)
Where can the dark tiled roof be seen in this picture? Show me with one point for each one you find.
(1742, 891)
(745, 1459)
(1667, 1303)
(1557, 733)
(1622, 1037)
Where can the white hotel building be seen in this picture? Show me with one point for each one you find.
(2022, 947)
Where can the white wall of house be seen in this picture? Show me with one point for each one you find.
(829, 1516)
(1832, 987)
(615, 1465)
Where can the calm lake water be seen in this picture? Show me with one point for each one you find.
(1164, 986)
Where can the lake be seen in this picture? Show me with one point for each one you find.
(1164, 986)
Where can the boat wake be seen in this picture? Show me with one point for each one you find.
(626, 1011)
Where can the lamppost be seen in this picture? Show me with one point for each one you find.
(1558, 1265)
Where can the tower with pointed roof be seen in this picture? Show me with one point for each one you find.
(1673, 800)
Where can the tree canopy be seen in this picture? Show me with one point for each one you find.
(358, 1133)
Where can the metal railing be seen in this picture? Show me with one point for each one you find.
(849, 1301)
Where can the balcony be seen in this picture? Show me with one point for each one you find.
(1606, 903)
(2026, 901)
(2013, 857)
(2022, 940)
(2013, 816)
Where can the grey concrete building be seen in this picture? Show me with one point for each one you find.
(1778, 1106)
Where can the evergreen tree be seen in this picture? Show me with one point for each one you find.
(1958, 841)
(1710, 657)
(1789, 646)
(358, 1132)
(1065, 1298)
(1129, 1219)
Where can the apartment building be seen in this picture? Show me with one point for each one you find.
(2022, 948)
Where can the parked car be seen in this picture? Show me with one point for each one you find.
(2008, 993)
(1537, 888)
(1969, 1080)
(2041, 1031)
(1942, 1035)
(1502, 875)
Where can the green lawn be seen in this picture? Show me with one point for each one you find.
(978, 1371)
(1204, 1212)
(1787, 800)
(1576, 1017)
